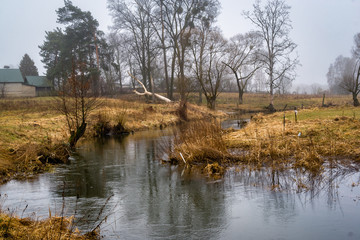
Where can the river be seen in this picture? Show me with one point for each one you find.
(123, 181)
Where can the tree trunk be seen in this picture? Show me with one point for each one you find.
(211, 102)
(152, 90)
(182, 111)
(356, 101)
(120, 81)
(76, 135)
(200, 97)
(240, 89)
(181, 84)
(173, 61)
(241, 94)
(271, 105)
(168, 92)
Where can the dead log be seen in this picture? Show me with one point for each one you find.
(147, 93)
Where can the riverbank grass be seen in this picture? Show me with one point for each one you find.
(318, 136)
(311, 141)
(12, 227)
(33, 134)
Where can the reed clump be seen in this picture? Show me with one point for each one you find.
(12, 227)
(201, 143)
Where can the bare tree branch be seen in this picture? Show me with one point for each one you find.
(147, 93)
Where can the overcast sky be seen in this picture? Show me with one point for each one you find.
(323, 29)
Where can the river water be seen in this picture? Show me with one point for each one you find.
(123, 182)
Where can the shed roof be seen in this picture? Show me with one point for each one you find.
(11, 76)
(38, 81)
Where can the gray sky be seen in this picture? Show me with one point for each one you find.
(323, 29)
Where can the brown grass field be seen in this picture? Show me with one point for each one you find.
(257, 102)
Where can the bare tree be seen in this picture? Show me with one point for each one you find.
(334, 75)
(316, 88)
(258, 82)
(180, 17)
(350, 79)
(274, 25)
(158, 22)
(108, 69)
(243, 59)
(356, 48)
(345, 73)
(208, 47)
(76, 102)
(354, 85)
(116, 62)
(134, 19)
(285, 85)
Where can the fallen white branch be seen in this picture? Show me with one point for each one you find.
(146, 92)
(183, 158)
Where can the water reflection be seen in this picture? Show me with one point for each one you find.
(148, 200)
(236, 123)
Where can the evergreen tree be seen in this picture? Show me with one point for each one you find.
(80, 43)
(27, 66)
(72, 59)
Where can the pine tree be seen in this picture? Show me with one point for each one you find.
(71, 59)
(27, 66)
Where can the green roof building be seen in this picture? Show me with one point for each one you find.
(12, 84)
(39, 81)
(43, 85)
(11, 76)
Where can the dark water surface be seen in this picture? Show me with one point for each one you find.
(150, 200)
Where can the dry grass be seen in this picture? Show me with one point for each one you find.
(12, 227)
(257, 102)
(136, 116)
(201, 144)
(319, 135)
